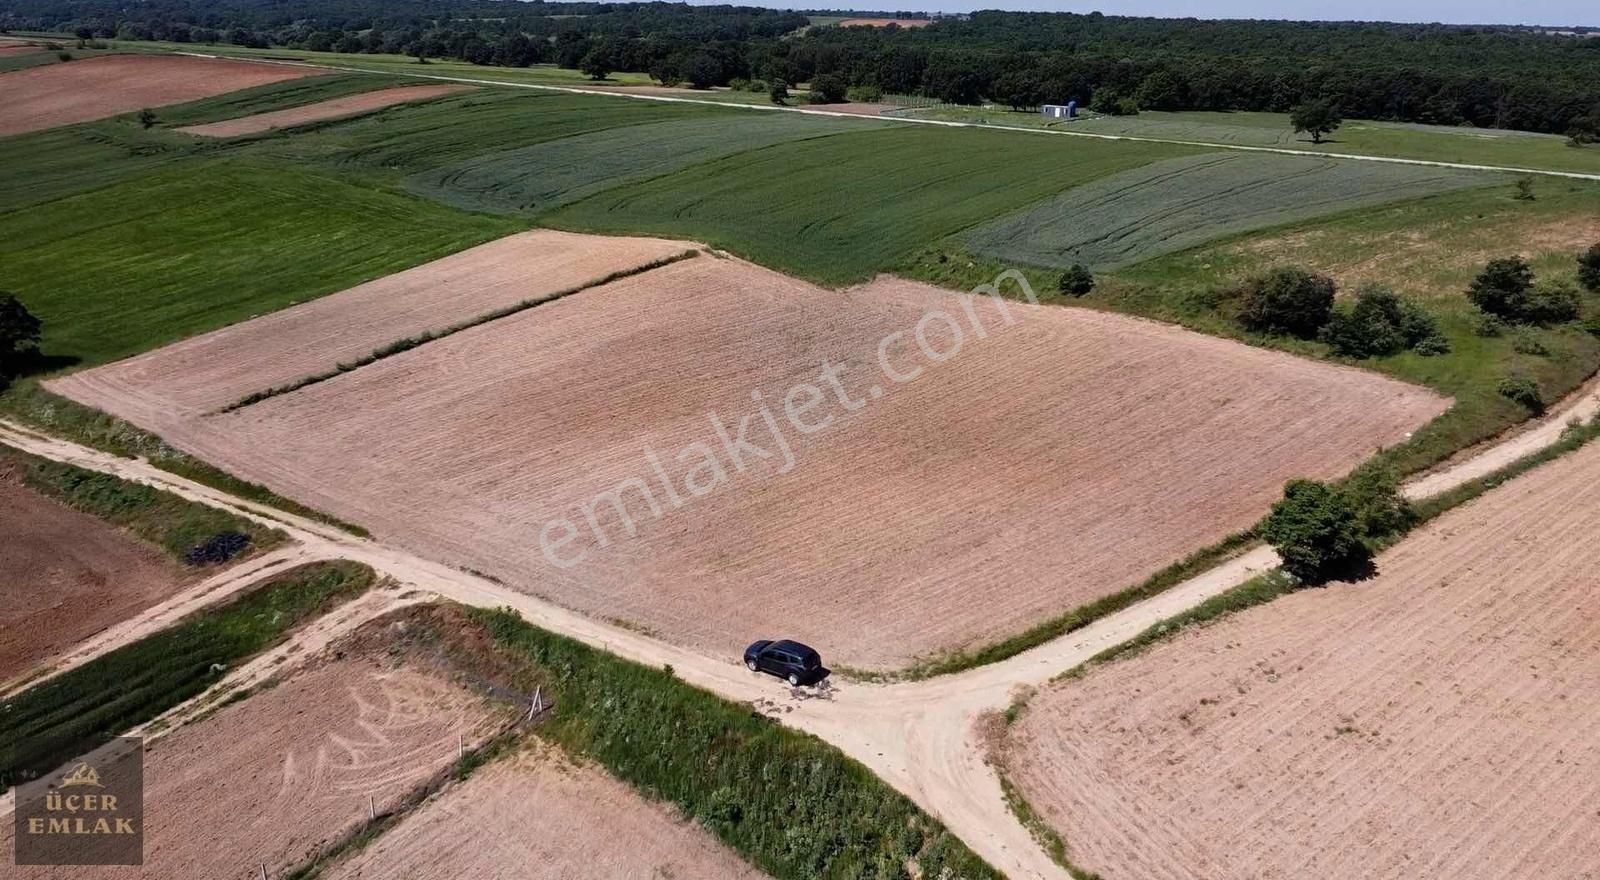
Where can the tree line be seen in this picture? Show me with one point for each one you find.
(1491, 77)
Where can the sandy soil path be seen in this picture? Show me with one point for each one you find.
(333, 108)
(922, 737)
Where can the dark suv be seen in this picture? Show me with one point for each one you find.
(785, 659)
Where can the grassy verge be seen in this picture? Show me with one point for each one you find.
(1196, 563)
(85, 707)
(174, 524)
(410, 342)
(790, 804)
(31, 405)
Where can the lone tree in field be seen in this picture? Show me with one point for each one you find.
(828, 88)
(1315, 531)
(778, 92)
(1316, 118)
(1287, 300)
(147, 117)
(1076, 281)
(1589, 269)
(19, 335)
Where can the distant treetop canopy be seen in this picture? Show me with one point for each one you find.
(1500, 76)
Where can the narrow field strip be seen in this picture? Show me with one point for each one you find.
(410, 342)
(205, 373)
(333, 108)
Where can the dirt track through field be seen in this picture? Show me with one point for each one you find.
(65, 575)
(1437, 721)
(539, 814)
(910, 526)
(333, 108)
(93, 88)
(924, 738)
(272, 779)
(168, 387)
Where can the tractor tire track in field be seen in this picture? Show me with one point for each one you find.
(922, 737)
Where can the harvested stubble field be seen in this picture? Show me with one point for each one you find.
(278, 777)
(553, 173)
(1169, 206)
(333, 108)
(539, 810)
(92, 88)
(1436, 721)
(166, 388)
(66, 575)
(1116, 435)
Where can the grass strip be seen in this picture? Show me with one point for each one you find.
(31, 404)
(789, 803)
(83, 708)
(421, 339)
(174, 524)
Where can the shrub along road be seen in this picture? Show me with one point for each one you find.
(924, 738)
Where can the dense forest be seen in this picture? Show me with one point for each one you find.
(1500, 77)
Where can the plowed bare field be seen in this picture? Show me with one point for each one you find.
(1044, 464)
(93, 88)
(65, 575)
(539, 815)
(275, 778)
(333, 108)
(172, 385)
(1437, 721)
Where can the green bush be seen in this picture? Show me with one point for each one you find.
(1527, 343)
(1489, 326)
(1287, 300)
(1522, 389)
(1505, 288)
(1315, 531)
(1373, 495)
(828, 88)
(1589, 269)
(1076, 281)
(778, 92)
(1380, 323)
(1432, 346)
(869, 94)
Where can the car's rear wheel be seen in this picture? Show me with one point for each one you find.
(794, 679)
(750, 665)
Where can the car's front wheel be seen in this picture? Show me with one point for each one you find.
(750, 665)
(794, 679)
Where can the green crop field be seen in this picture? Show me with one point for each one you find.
(1179, 203)
(408, 138)
(840, 208)
(1433, 143)
(45, 165)
(195, 247)
(275, 96)
(552, 173)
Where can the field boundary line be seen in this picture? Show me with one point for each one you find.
(948, 123)
(400, 346)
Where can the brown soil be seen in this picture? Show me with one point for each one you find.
(537, 814)
(860, 108)
(93, 88)
(277, 777)
(1436, 721)
(333, 108)
(199, 375)
(7, 50)
(1060, 459)
(65, 576)
(885, 22)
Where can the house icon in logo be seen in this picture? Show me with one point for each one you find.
(82, 774)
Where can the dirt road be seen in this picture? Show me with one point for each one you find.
(922, 737)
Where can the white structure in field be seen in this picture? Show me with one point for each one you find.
(1068, 110)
